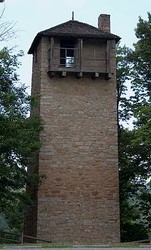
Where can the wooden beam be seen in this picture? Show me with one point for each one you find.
(109, 76)
(80, 46)
(51, 53)
(79, 74)
(96, 74)
(51, 73)
(108, 56)
(63, 73)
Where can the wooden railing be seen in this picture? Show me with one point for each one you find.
(72, 59)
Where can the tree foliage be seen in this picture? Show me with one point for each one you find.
(123, 75)
(6, 28)
(18, 134)
(135, 144)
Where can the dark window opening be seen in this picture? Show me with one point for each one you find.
(67, 53)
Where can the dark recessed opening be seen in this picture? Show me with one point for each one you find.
(67, 53)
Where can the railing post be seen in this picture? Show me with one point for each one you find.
(51, 53)
(80, 46)
(108, 52)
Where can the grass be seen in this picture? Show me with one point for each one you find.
(69, 245)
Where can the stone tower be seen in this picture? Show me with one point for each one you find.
(74, 73)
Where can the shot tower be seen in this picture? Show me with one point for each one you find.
(74, 73)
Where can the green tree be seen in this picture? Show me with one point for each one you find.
(18, 137)
(141, 107)
(135, 144)
(123, 76)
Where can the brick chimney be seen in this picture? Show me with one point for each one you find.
(104, 22)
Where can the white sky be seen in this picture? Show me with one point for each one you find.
(33, 16)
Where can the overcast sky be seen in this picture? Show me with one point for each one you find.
(32, 16)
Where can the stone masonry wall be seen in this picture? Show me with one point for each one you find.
(79, 199)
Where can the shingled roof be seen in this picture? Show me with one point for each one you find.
(73, 28)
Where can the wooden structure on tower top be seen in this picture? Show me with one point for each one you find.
(77, 48)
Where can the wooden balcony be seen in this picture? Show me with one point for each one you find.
(74, 61)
